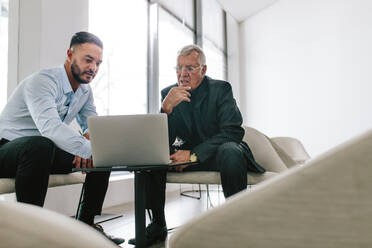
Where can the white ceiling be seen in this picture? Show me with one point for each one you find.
(242, 9)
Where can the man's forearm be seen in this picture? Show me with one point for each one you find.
(166, 108)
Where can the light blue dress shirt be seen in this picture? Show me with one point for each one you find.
(45, 104)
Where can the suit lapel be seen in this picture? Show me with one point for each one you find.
(197, 103)
(185, 113)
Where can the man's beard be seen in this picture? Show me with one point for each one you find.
(76, 72)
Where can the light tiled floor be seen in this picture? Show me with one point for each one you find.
(179, 210)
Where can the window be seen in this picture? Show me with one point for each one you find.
(173, 35)
(216, 61)
(138, 63)
(214, 39)
(4, 5)
(120, 87)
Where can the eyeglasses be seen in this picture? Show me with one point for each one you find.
(188, 68)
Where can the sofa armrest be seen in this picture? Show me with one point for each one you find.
(263, 151)
(290, 150)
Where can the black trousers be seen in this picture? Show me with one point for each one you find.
(229, 161)
(30, 160)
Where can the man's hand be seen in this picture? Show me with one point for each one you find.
(87, 136)
(83, 163)
(175, 96)
(180, 156)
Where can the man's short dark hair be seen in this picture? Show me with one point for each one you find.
(85, 37)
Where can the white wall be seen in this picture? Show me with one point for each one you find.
(306, 70)
(233, 58)
(13, 46)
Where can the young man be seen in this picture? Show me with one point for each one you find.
(204, 117)
(35, 139)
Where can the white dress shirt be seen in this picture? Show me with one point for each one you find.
(45, 104)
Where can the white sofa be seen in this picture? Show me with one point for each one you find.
(326, 203)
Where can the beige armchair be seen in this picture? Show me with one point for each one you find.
(324, 203)
(275, 155)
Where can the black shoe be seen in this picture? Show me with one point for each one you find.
(154, 234)
(117, 241)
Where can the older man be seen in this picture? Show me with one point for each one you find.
(35, 140)
(204, 117)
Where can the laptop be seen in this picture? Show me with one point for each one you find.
(129, 140)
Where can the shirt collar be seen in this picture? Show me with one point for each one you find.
(83, 88)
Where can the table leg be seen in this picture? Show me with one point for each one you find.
(139, 211)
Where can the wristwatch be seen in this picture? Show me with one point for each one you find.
(193, 157)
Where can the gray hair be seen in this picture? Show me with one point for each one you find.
(186, 50)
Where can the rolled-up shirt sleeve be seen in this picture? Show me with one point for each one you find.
(39, 95)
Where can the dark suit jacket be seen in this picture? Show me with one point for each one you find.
(216, 119)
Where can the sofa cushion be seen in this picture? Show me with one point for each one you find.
(212, 177)
(7, 185)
